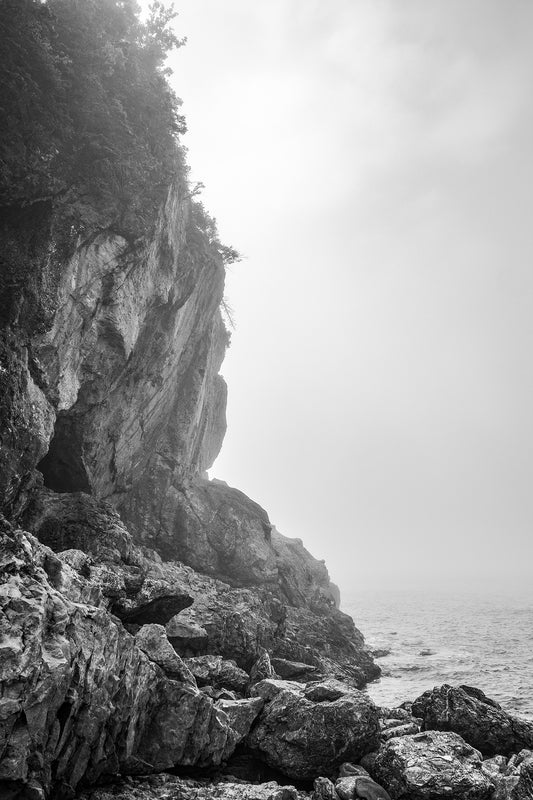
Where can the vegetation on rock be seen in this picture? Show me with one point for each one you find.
(88, 118)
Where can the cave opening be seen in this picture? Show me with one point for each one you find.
(62, 467)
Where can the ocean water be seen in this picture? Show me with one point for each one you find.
(478, 640)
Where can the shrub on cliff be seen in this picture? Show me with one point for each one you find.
(87, 117)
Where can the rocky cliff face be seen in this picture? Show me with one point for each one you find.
(121, 560)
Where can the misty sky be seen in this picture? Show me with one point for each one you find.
(373, 160)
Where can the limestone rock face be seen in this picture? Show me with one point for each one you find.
(430, 766)
(477, 718)
(307, 733)
(120, 347)
(111, 411)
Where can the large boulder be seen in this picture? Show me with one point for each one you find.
(431, 766)
(309, 732)
(478, 719)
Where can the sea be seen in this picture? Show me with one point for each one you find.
(435, 638)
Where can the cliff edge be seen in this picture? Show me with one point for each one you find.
(141, 603)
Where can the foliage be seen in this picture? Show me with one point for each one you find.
(208, 225)
(87, 117)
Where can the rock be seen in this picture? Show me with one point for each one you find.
(429, 766)
(152, 640)
(140, 588)
(523, 789)
(362, 785)
(167, 787)
(400, 730)
(480, 721)
(381, 652)
(494, 766)
(293, 670)
(262, 667)
(218, 694)
(348, 769)
(241, 713)
(186, 637)
(516, 760)
(324, 690)
(218, 672)
(330, 642)
(324, 789)
(396, 713)
(345, 787)
(79, 695)
(306, 739)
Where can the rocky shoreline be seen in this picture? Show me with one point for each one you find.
(159, 638)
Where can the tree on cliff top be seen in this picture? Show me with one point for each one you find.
(87, 117)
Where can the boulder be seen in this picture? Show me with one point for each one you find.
(152, 640)
(324, 789)
(293, 670)
(186, 637)
(306, 738)
(241, 713)
(478, 719)
(430, 766)
(355, 786)
(218, 672)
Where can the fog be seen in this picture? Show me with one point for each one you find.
(373, 162)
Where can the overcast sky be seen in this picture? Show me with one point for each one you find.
(373, 161)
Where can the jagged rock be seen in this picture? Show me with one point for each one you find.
(348, 769)
(429, 766)
(477, 718)
(293, 670)
(241, 713)
(141, 589)
(261, 668)
(345, 787)
(360, 786)
(186, 637)
(218, 694)
(218, 672)
(306, 739)
(395, 713)
(523, 790)
(330, 642)
(400, 730)
(152, 640)
(159, 787)
(79, 699)
(381, 652)
(324, 789)
(324, 690)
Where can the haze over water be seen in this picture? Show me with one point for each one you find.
(478, 640)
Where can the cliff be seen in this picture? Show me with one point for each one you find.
(144, 608)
